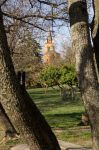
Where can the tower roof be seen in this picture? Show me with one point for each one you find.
(49, 38)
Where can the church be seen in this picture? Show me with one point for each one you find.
(50, 57)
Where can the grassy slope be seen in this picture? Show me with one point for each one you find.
(63, 116)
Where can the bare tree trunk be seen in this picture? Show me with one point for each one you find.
(18, 105)
(85, 68)
(96, 49)
(8, 126)
(95, 30)
(95, 21)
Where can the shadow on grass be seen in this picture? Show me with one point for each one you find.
(74, 115)
(64, 120)
(56, 103)
(56, 111)
(69, 116)
(42, 97)
(51, 100)
(42, 91)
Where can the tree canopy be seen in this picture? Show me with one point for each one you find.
(62, 75)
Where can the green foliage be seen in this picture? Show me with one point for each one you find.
(36, 50)
(53, 75)
(68, 75)
(50, 76)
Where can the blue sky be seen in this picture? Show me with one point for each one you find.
(60, 36)
(63, 34)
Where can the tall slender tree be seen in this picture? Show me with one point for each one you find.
(85, 68)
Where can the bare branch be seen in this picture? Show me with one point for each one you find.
(3, 2)
(49, 3)
(21, 19)
(31, 3)
(47, 17)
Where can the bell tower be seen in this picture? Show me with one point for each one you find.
(50, 55)
(48, 48)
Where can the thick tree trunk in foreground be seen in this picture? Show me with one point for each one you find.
(96, 48)
(19, 107)
(8, 127)
(95, 31)
(85, 68)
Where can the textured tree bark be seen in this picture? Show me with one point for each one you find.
(96, 48)
(8, 126)
(19, 107)
(95, 30)
(95, 21)
(85, 68)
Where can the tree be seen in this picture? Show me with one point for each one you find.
(26, 57)
(9, 129)
(50, 76)
(68, 54)
(15, 100)
(13, 12)
(85, 68)
(68, 77)
(26, 51)
(25, 54)
(59, 76)
(95, 30)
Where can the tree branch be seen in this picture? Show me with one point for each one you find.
(3, 2)
(49, 3)
(31, 3)
(47, 17)
(21, 19)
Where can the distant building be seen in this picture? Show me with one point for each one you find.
(50, 55)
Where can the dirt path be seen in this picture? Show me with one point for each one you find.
(63, 145)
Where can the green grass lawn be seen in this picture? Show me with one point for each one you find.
(62, 116)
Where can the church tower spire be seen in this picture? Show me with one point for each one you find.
(50, 55)
(49, 38)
